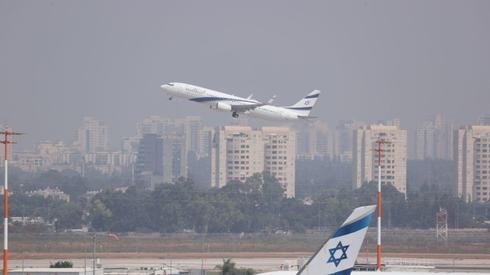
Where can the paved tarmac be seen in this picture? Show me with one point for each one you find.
(262, 264)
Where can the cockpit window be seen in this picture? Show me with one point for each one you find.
(170, 84)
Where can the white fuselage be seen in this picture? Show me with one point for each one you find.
(223, 102)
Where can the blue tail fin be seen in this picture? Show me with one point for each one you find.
(338, 254)
(305, 105)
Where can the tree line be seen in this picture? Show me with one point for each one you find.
(256, 205)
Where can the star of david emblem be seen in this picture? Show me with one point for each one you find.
(307, 102)
(337, 259)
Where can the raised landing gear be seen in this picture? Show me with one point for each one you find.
(235, 115)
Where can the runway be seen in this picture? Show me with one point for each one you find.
(260, 264)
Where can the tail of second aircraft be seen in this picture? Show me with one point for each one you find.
(338, 255)
(305, 105)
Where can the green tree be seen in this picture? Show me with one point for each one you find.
(100, 215)
(228, 268)
(68, 216)
(61, 264)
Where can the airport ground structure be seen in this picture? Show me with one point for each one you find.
(259, 251)
(460, 241)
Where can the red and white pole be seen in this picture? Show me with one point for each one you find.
(379, 150)
(5, 206)
(378, 246)
(6, 133)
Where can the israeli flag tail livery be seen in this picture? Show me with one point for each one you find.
(305, 105)
(338, 254)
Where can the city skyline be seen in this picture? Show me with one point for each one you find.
(164, 149)
(372, 60)
(332, 140)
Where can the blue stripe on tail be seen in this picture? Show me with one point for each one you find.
(312, 96)
(300, 108)
(353, 227)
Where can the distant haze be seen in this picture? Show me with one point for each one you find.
(62, 60)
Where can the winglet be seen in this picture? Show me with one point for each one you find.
(338, 254)
(271, 99)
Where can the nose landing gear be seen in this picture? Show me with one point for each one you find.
(234, 114)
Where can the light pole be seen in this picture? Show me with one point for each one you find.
(379, 150)
(93, 253)
(94, 245)
(6, 133)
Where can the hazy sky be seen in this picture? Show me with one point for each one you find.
(62, 60)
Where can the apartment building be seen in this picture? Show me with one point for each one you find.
(393, 156)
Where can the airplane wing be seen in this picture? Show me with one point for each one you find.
(245, 107)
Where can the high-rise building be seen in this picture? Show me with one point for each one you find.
(29, 161)
(130, 145)
(153, 125)
(279, 155)
(239, 152)
(472, 158)
(52, 152)
(434, 139)
(188, 128)
(160, 159)
(93, 151)
(343, 139)
(393, 157)
(148, 168)
(424, 141)
(443, 138)
(193, 126)
(206, 142)
(312, 140)
(46, 155)
(174, 157)
(108, 162)
(92, 136)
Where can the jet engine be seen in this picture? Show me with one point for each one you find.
(220, 106)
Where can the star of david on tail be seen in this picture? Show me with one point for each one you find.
(338, 254)
(334, 250)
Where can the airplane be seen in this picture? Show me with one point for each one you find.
(338, 254)
(237, 105)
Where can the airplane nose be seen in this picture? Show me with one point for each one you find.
(167, 86)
